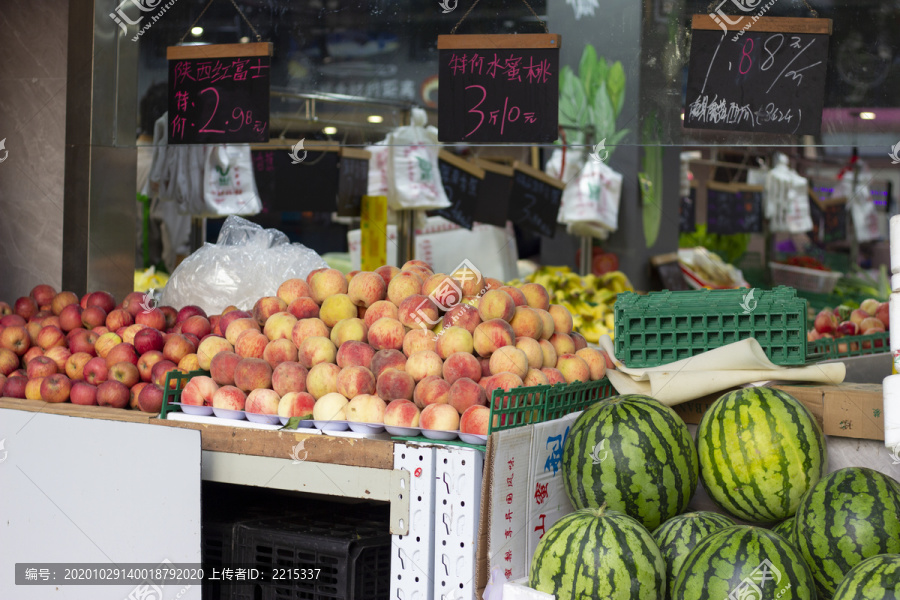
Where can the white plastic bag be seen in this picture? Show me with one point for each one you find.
(866, 223)
(247, 263)
(379, 180)
(229, 187)
(592, 197)
(414, 175)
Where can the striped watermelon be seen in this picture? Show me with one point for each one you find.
(760, 450)
(598, 553)
(679, 535)
(786, 530)
(634, 454)
(849, 516)
(747, 563)
(876, 578)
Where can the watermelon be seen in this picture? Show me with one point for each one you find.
(876, 578)
(786, 530)
(760, 450)
(598, 553)
(744, 562)
(679, 535)
(633, 454)
(849, 516)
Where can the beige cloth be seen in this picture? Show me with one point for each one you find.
(736, 364)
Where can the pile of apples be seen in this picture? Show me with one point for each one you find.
(371, 347)
(872, 316)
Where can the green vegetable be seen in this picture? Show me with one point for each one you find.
(729, 247)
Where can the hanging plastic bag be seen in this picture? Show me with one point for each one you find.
(229, 185)
(414, 175)
(592, 197)
(866, 222)
(379, 179)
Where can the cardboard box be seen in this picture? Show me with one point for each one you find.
(846, 410)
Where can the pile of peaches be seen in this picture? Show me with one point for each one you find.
(375, 348)
(872, 316)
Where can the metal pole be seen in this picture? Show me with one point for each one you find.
(406, 236)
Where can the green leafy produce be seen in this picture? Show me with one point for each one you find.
(593, 98)
(730, 247)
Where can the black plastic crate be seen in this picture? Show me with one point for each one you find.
(216, 539)
(353, 557)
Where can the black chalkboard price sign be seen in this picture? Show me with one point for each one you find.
(534, 200)
(353, 181)
(461, 180)
(219, 93)
(757, 74)
(498, 88)
(493, 193)
(734, 208)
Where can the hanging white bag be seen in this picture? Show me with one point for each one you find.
(592, 197)
(414, 175)
(229, 187)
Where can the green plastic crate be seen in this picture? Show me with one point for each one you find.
(663, 327)
(856, 345)
(530, 405)
(172, 393)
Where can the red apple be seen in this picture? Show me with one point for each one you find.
(147, 340)
(93, 316)
(11, 320)
(122, 353)
(197, 325)
(177, 347)
(134, 394)
(125, 372)
(825, 322)
(103, 300)
(83, 393)
(133, 303)
(151, 399)
(119, 319)
(84, 300)
(14, 387)
(59, 355)
(15, 338)
(41, 367)
(9, 361)
(96, 371)
(146, 362)
(113, 393)
(75, 365)
(70, 318)
(56, 388)
(160, 370)
(25, 307)
(189, 311)
(171, 316)
(43, 294)
(5, 309)
(82, 340)
(848, 328)
(152, 318)
(33, 352)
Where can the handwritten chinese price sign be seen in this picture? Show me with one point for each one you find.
(534, 200)
(760, 74)
(498, 88)
(219, 93)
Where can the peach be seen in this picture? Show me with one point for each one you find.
(292, 289)
(418, 340)
(418, 311)
(262, 402)
(573, 368)
(870, 325)
(322, 379)
(331, 407)
(562, 319)
(41, 366)
(462, 315)
(349, 330)
(464, 393)
(33, 388)
(536, 295)
(496, 304)
(279, 326)
(222, 367)
(516, 294)
(527, 323)
(75, 365)
(366, 408)
(62, 300)
(402, 286)
(419, 264)
(441, 417)
(535, 377)
(382, 308)
(232, 316)
(208, 349)
(393, 384)
(387, 273)
(238, 326)
(578, 340)
(366, 288)
(475, 420)
(199, 391)
(251, 344)
(548, 327)
(869, 305)
(316, 350)
(461, 365)
(424, 363)
(353, 381)
(504, 381)
(431, 390)
(280, 351)
(229, 397)
(548, 351)
(401, 413)
(117, 395)
(486, 367)
(882, 313)
(289, 377)
(309, 275)
(386, 334)
(387, 359)
(267, 306)
(491, 335)
(304, 308)
(454, 339)
(470, 281)
(532, 349)
(509, 359)
(125, 373)
(252, 373)
(83, 394)
(444, 284)
(336, 308)
(354, 354)
(562, 343)
(596, 362)
(325, 283)
(307, 328)
(296, 404)
(59, 355)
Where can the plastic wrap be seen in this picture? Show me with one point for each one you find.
(246, 263)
